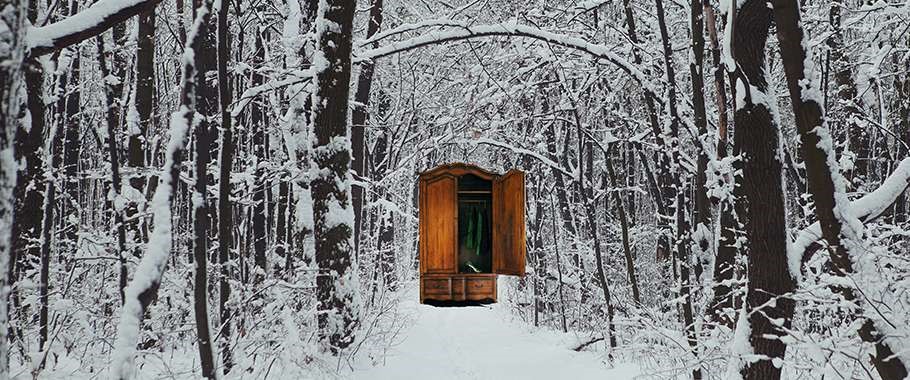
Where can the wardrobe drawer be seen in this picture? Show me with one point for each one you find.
(436, 286)
(479, 285)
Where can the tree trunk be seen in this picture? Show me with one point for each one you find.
(847, 108)
(336, 282)
(199, 202)
(258, 126)
(358, 122)
(114, 156)
(662, 180)
(824, 179)
(702, 232)
(624, 224)
(13, 20)
(725, 257)
(768, 274)
(682, 222)
(29, 149)
(144, 289)
(144, 100)
(601, 273)
(225, 213)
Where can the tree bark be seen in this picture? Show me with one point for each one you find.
(624, 224)
(662, 179)
(768, 275)
(824, 179)
(199, 200)
(847, 106)
(702, 232)
(29, 139)
(258, 126)
(144, 289)
(358, 122)
(225, 212)
(144, 100)
(683, 237)
(336, 281)
(13, 22)
(725, 257)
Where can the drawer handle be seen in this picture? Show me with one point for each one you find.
(478, 284)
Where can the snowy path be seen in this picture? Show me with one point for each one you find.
(484, 342)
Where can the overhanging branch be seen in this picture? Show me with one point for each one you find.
(461, 31)
(84, 25)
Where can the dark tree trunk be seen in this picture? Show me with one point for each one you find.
(281, 229)
(14, 20)
(562, 196)
(601, 273)
(624, 224)
(139, 295)
(336, 293)
(702, 231)
(902, 86)
(386, 238)
(225, 214)
(358, 122)
(682, 222)
(725, 258)
(144, 104)
(199, 200)
(662, 178)
(831, 203)
(768, 274)
(847, 106)
(71, 148)
(258, 127)
(114, 156)
(29, 141)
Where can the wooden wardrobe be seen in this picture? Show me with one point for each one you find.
(472, 228)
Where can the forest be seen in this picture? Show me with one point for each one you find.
(230, 189)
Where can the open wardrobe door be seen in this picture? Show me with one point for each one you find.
(509, 247)
(438, 224)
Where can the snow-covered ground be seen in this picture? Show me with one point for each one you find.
(484, 342)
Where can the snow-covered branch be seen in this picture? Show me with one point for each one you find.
(83, 25)
(526, 152)
(463, 31)
(867, 208)
(252, 92)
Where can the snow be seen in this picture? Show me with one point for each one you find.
(149, 271)
(483, 342)
(153, 263)
(509, 28)
(251, 93)
(868, 207)
(92, 16)
(741, 348)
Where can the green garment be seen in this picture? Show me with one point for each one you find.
(474, 236)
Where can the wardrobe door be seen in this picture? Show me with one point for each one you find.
(438, 224)
(509, 246)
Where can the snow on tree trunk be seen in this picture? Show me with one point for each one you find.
(841, 229)
(116, 196)
(92, 21)
(225, 165)
(12, 26)
(205, 105)
(768, 310)
(358, 122)
(143, 289)
(337, 286)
